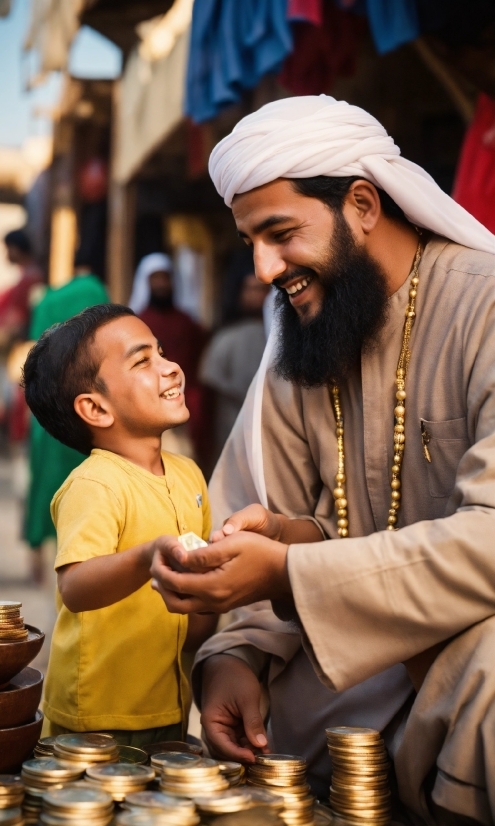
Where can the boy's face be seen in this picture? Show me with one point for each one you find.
(144, 392)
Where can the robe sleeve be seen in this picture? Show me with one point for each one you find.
(381, 599)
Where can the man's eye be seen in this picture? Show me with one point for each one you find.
(283, 235)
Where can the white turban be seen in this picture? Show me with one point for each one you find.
(303, 137)
(140, 296)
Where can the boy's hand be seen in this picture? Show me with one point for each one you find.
(254, 518)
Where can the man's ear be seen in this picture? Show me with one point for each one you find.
(94, 409)
(362, 206)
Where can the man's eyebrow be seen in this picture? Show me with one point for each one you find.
(271, 221)
(136, 349)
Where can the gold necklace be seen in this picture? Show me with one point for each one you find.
(339, 492)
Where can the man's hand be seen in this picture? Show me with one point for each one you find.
(230, 709)
(254, 518)
(237, 570)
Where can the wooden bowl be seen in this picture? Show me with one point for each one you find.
(20, 699)
(14, 656)
(17, 744)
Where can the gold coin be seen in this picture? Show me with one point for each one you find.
(280, 759)
(10, 783)
(88, 743)
(6, 604)
(158, 800)
(121, 773)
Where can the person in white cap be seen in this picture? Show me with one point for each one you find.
(372, 416)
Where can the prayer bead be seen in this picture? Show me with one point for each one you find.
(340, 477)
(342, 523)
(395, 468)
(396, 495)
(395, 484)
(399, 428)
(400, 410)
(392, 520)
(401, 395)
(338, 493)
(342, 512)
(341, 503)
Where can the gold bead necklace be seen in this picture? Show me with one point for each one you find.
(339, 492)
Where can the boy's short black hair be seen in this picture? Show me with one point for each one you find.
(60, 366)
(332, 191)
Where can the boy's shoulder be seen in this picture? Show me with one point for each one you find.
(101, 468)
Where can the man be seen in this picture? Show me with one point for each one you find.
(182, 338)
(387, 305)
(15, 303)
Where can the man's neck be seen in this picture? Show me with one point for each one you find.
(143, 452)
(394, 244)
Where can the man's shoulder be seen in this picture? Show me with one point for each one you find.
(454, 258)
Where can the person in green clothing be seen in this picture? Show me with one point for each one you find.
(50, 462)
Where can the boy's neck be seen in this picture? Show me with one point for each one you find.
(145, 453)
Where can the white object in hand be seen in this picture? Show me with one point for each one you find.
(190, 541)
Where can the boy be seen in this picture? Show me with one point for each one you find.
(100, 384)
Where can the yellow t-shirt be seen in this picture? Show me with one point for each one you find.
(119, 667)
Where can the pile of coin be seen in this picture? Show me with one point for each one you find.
(285, 775)
(77, 804)
(131, 754)
(12, 627)
(85, 750)
(186, 775)
(120, 779)
(11, 817)
(39, 775)
(11, 791)
(153, 818)
(45, 747)
(235, 773)
(176, 810)
(231, 800)
(360, 791)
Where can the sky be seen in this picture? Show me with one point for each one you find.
(91, 56)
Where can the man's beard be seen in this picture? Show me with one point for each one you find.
(161, 302)
(327, 347)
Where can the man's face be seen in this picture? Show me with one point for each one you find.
(14, 254)
(160, 287)
(143, 389)
(332, 295)
(290, 234)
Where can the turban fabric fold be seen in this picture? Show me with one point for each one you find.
(303, 137)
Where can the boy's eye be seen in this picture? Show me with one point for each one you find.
(142, 361)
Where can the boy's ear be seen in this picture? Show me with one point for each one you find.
(94, 409)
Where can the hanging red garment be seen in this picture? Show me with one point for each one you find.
(322, 53)
(311, 11)
(474, 186)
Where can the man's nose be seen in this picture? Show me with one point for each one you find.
(268, 265)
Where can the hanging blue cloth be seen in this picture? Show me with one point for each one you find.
(392, 23)
(233, 45)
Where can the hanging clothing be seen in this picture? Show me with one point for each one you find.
(474, 186)
(307, 11)
(322, 52)
(50, 462)
(392, 23)
(233, 45)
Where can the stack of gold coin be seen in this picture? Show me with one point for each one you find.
(188, 778)
(77, 804)
(11, 623)
(11, 791)
(176, 810)
(131, 754)
(11, 817)
(85, 750)
(45, 747)
(235, 773)
(120, 779)
(154, 818)
(360, 791)
(232, 800)
(285, 775)
(175, 758)
(39, 775)
(257, 816)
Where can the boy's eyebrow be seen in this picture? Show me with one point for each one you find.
(137, 349)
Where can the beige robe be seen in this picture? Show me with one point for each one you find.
(369, 602)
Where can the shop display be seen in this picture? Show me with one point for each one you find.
(360, 790)
(285, 775)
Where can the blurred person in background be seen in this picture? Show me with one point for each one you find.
(50, 462)
(182, 339)
(234, 354)
(15, 313)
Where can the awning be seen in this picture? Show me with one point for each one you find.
(151, 93)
